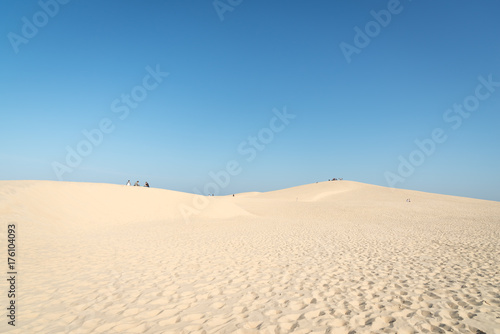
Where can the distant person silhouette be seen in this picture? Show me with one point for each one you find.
(128, 183)
(136, 184)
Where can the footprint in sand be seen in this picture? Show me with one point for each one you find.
(381, 322)
(341, 312)
(337, 322)
(288, 326)
(252, 324)
(169, 321)
(151, 314)
(138, 329)
(425, 313)
(450, 315)
(129, 328)
(314, 314)
(182, 307)
(218, 305)
(193, 329)
(193, 317)
(452, 305)
(266, 289)
(406, 330)
(105, 328)
(310, 300)
(130, 312)
(340, 330)
(296, 306)
(240, 309)
(214, 322)
(203, 296)
(290, 318)
(272, 312)
(246, 331)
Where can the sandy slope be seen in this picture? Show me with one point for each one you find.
(332, 257)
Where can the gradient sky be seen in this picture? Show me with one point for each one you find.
(229, 68)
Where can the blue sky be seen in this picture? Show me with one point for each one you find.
(68, 66)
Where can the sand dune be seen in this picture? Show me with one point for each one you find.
(331, 257)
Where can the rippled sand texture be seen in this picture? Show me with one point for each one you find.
(332, 257)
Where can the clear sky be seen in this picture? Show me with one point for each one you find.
(263, 94)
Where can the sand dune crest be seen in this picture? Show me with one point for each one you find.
(331, 257)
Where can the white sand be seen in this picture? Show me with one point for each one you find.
(332, 257)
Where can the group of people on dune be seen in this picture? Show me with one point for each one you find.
(146, 184)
